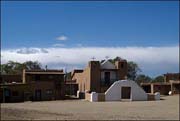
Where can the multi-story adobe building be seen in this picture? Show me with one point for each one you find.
(98, 77)
(171, 83)
(171, 76)
(36, 85)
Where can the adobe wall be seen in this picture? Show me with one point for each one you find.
(121, 69)
(95, 76)
(10, 78)
(47, 82)
(20, 90)
(83, 79)
(163, 89)
(171, 76)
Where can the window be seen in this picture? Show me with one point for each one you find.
(50, 77)
(14, 93)
(37, 77)
(49, 91)
(107, 78)
(122, 65)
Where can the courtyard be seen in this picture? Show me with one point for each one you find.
(167, 108)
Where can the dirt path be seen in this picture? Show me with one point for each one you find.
(80, 109)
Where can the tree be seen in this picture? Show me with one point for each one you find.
(115, 59)
(12, 67)
(141, 78)
(158, 79)
(133, 70)
(68, 76)
(30, 65)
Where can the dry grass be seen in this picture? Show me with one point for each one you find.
(80, 109)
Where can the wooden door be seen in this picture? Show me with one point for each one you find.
(125, 92)
(107, 78)
(38, 95)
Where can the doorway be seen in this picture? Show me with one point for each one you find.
(125, 92)
(38, 95)
(107, 78)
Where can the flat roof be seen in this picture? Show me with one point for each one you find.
(44, 72)
(157, 83)
(13, 84)
(109, 69)
(174, 81)
(55, 73)
(172, 74)
(76, 71)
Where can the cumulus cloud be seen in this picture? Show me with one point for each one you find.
(152, 60)
(62, 38)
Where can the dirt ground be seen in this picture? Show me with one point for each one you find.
(168, 108)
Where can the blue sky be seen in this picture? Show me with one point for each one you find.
(90, 24)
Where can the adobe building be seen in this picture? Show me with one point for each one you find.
(98, 77)
(171, 76)
(36, 85)
(9, 78)
(71, 88)
(122, 90)
(171, 83)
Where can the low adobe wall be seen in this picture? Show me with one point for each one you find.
(88, 96)
(114, 93)
(95, 97)
(151, 97)
(101, 97)
(155, 96)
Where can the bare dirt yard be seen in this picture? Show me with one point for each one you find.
(168, 109)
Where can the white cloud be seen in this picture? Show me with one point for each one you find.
(152, 60)
(31, 50)
(62, 38)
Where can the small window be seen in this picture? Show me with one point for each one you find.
(122, 65)
(50, 77)
(49, 91)
(14, 93)
(37, 77)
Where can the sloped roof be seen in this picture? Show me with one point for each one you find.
(107, 65)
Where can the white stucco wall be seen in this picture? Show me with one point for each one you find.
(114, 92)
(157, 96)
(94, 97)
(107, 65)
(112, 75)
